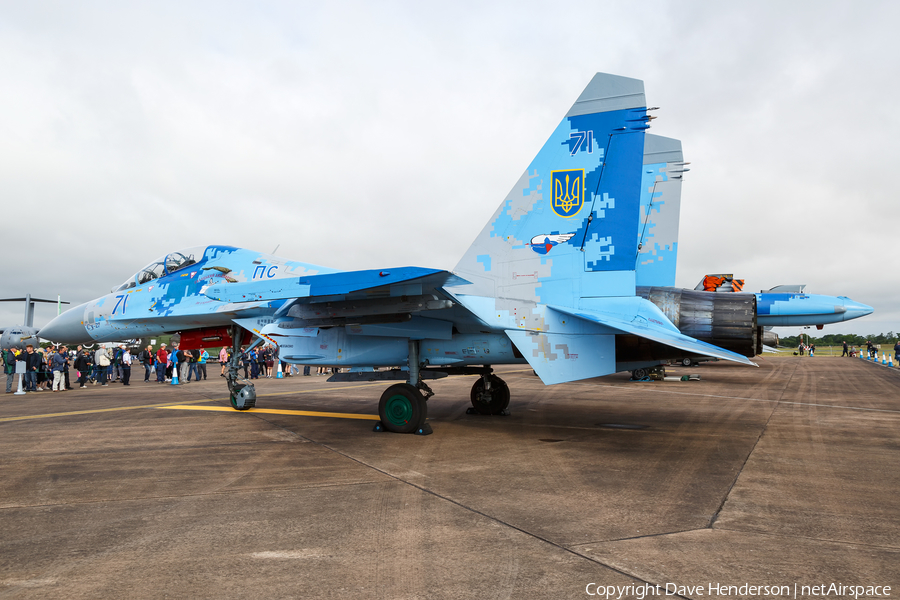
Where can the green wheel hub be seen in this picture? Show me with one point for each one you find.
(402, 408)
(398, 410)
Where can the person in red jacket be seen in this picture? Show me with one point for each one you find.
(162, 359)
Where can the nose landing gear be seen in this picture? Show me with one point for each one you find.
(241, 391)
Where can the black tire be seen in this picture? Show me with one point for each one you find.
(234, 403)
(234, 400)
(639, 374)
(402, 408)
(499, 396)
(687, 362)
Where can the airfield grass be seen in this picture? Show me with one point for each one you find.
(830, 351)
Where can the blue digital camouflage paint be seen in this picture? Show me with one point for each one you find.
(550, 280)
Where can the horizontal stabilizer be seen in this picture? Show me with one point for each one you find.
(645, 320)
(786, 289)
(412, 280)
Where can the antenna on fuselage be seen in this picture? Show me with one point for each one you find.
(276, 248)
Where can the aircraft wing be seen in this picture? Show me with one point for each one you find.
(393, 282)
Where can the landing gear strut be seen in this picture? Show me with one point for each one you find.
(489, 396)
(241, 391)
(403, 407)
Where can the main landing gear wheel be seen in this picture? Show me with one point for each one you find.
(492, 401)
(402, 408)
(639, 374)
(687, 362)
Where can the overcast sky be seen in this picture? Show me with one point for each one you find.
(375, 134)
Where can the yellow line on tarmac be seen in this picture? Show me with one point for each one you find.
(164, 404)
(98, 410)
(274, 411)
(225, 399)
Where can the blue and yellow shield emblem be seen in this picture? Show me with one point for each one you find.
(568, 191)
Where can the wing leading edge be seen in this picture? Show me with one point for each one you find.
(395, 282)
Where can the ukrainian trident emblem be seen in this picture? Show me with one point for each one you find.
(568, 191)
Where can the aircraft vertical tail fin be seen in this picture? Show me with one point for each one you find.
(660, 211)
(569, 227)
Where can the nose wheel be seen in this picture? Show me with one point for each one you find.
(243, 396)
(241, 392)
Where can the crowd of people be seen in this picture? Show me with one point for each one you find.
(806, 349)
(47, 369)
(870, 349)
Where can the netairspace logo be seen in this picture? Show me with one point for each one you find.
(837, 590)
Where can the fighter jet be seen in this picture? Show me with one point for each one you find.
(549, 281)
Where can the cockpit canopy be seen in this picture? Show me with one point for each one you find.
(174, 261)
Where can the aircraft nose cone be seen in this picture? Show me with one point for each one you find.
(67, 327)
(854, 310)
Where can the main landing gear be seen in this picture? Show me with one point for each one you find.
(648, 373)
(489, 396)
(403, 407)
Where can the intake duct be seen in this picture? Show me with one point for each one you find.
(724, 320)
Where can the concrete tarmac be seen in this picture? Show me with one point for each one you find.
(783, 475)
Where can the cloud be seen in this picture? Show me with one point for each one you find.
(361, 135)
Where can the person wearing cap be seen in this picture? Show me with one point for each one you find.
(162, 360)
